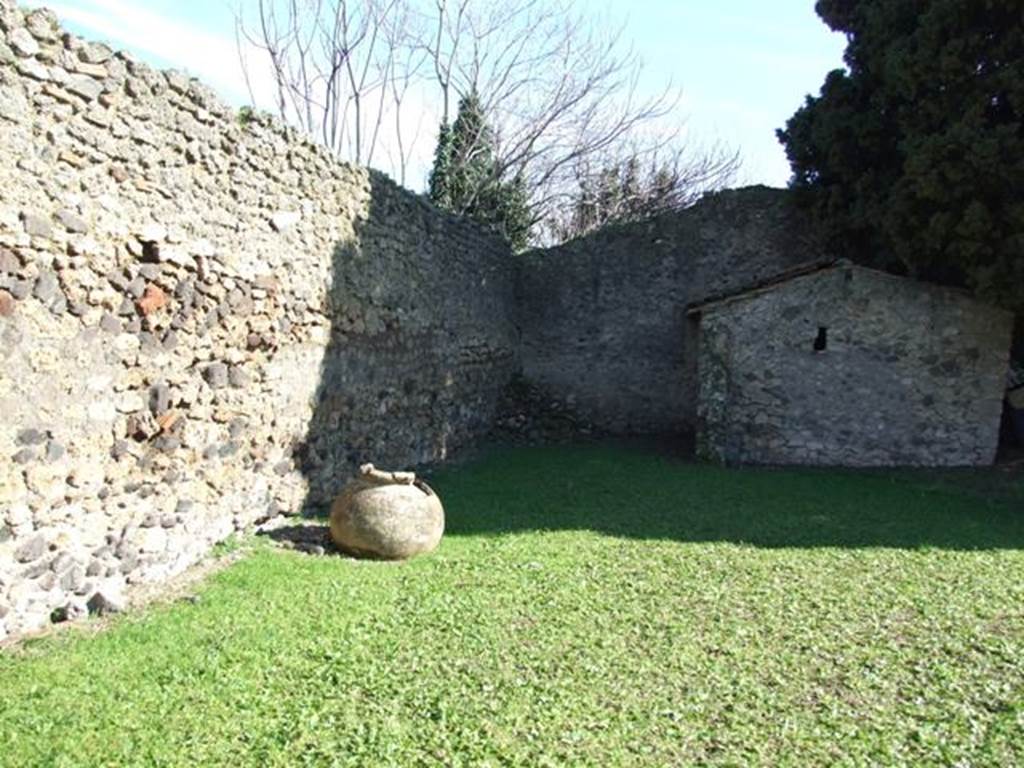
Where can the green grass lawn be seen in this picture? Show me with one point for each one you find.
(597, 606)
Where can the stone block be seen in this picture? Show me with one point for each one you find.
(22, 42)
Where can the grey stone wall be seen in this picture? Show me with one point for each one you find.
(205, 322)
(912, 374)
(603, 317)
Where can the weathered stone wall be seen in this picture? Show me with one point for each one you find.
(204, 323)
(911, 374)
(603, 317)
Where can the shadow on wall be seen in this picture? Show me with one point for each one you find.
(636, 492)
(374, 372)
(418, 350)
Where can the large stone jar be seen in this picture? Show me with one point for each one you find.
(386, 515)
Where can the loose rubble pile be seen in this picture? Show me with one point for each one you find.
(206, 322)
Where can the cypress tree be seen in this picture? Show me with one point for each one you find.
(438, 189)
(466, 177)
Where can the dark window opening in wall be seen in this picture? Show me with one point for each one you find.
(821, 342)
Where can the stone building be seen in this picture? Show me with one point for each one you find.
(836, 364)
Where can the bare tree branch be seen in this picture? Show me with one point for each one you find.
(560, 89)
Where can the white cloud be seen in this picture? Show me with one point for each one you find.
(208, 55)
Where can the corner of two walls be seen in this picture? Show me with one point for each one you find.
(603, 318)
(205, 323)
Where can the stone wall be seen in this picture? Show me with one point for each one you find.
(205, 322)
(850, 366)
(603, 317)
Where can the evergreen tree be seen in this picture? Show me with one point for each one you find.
(438, 189)
(466, 178)
(913, 159)
(515, 214)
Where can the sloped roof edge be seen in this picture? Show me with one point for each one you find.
(808, 268)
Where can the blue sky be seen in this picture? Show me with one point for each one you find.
(744, 65)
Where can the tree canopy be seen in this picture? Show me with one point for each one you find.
(558, 84)
(467, 179)
(636, 186)
(912, 159)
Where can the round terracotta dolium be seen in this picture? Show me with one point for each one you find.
(386, 515)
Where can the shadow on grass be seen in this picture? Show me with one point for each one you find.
(313, 538)
(635, 492)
